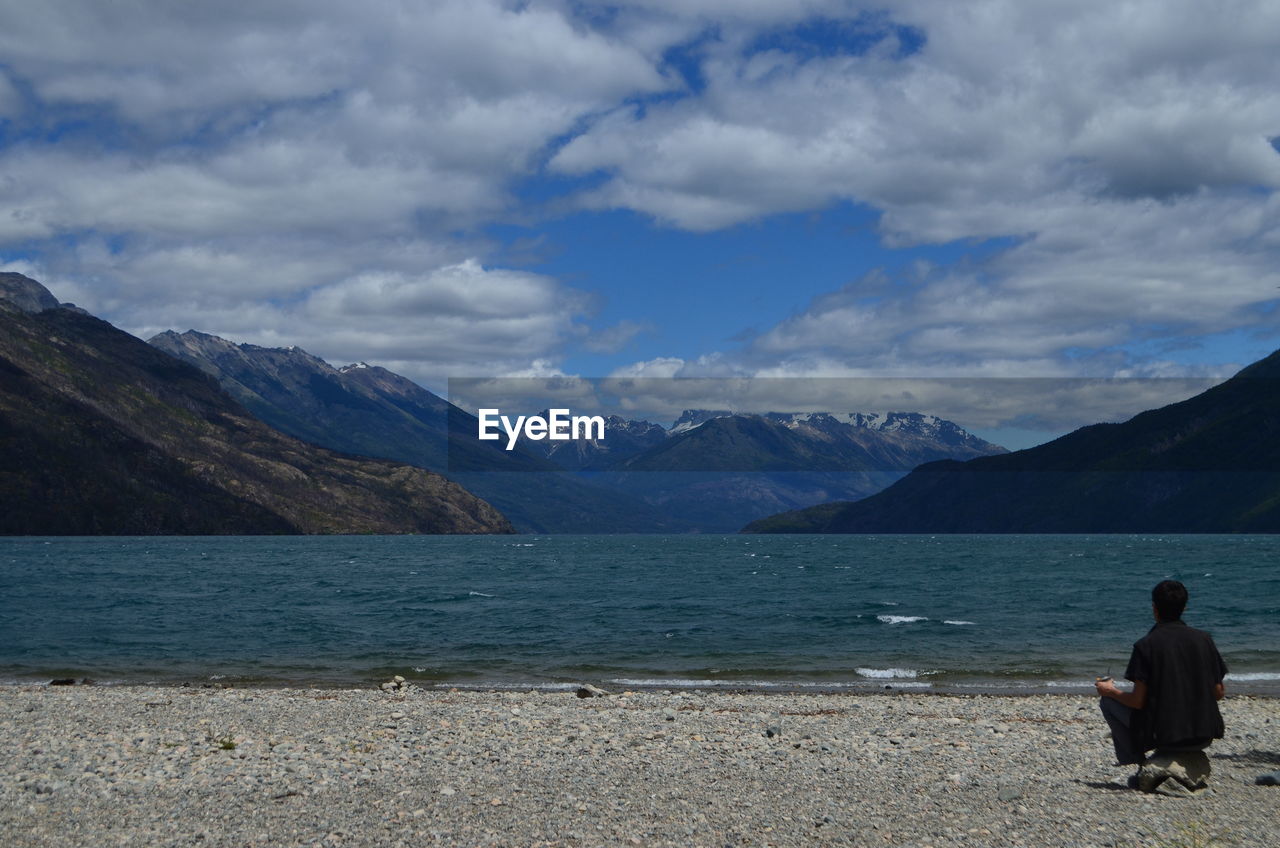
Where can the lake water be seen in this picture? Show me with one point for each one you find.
(833, 612)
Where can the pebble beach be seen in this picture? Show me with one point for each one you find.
(195, 766)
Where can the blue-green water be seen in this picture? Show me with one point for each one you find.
(1005, 612)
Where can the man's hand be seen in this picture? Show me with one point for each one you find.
(1136, 699)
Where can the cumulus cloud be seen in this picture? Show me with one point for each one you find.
(663, 367)
(1005, 103)
(1121, 272)
(458, 319)
(301, 172)
(356, 122)
(322, 174)
(1123, 152)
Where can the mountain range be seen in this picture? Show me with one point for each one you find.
(368, 410)
(101, 434)
(1207, 464)
(712, 472)
(702, 440)
(722, 470)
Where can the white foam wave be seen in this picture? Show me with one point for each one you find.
(479, 595)
(888, 673)
(900, 619)
(1254, 675)
(961, 623)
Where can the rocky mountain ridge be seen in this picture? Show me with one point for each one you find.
(722, 470)
(914, 423)
(101, 433)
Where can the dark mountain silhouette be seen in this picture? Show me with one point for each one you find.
(1207, 464)
(101, 433)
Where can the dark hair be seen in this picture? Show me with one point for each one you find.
(1170, 598)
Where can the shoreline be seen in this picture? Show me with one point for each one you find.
(173, 765)
(1266, 688)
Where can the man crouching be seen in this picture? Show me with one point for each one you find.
(1172, 709)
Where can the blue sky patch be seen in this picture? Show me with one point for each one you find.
(825, 38)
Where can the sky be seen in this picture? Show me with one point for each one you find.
(795, 189)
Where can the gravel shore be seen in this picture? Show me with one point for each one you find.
(158, 766)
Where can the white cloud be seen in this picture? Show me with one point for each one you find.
(1129, 271)
(456, 320)
(300, 172)
(1001, 105)
(662, 367)
(296, 116)
(320, 173)
(1124, 148)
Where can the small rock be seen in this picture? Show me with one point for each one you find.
(1271, 779)
(586, 690)
(1009, 792)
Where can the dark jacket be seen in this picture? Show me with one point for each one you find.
(1181, 667)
